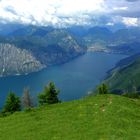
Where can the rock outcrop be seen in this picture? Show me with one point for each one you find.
(15, 61)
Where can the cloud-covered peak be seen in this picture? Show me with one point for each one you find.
(67, 12)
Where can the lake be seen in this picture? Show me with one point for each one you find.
(74, 79)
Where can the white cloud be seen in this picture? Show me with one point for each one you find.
(68, 7)
(110, 24)
(69, 12)
(120, 8)
(46, 11)
(130, 21)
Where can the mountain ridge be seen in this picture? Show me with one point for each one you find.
(125, 76)
(53, 46)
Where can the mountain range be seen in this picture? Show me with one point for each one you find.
(51, 46)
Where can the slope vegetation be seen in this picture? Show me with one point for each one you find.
(125, 76)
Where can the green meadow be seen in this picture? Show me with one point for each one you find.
(100, 117)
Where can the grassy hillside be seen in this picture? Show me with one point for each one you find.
(125, 77)
(101, 117)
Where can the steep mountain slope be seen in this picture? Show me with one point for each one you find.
(104, 117)
(49, 46)
(125, 76)
(125, 40)
(97, 35)
(6, 29)
(61, 47)
(31, 30)
(53, 46)
(17, 61)
(122, 41)
(56, 47)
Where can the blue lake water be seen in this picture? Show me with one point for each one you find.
(74, 79)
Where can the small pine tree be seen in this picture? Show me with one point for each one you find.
(103, 89)
(49, 95)
(12, 103)
(26, 99)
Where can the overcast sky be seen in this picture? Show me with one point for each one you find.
(71, 12)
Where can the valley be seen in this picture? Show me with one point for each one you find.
(51, 46)
(65, 56)
(86, 72)
(70, 70)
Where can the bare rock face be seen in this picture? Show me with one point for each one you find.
(15, 61)
(58, 47)
(30, 49)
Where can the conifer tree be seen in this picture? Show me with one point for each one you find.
(12, 103)
(49, 95)
(103, 89)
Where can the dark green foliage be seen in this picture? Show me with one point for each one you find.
(131, 95)
(49, 95)
(26, 99)
(12, 103)
(103, 89)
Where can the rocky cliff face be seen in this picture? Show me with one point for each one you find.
(36, 47)
(59, 47)
(14, 61)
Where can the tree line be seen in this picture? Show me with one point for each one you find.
(14, 103)
(48, 96)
